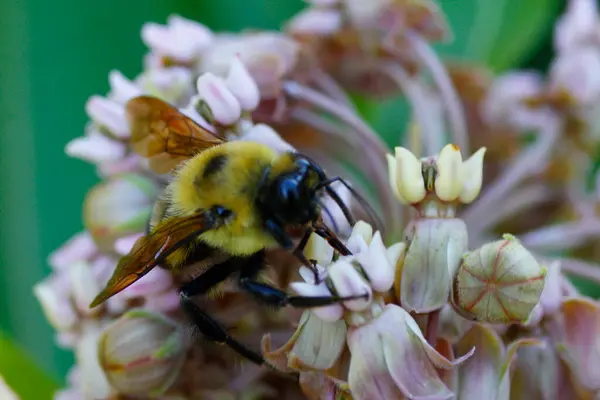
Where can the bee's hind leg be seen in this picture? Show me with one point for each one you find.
(206, 324)
(277, 298)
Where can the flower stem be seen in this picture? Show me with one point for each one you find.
(454, 109)
(373, 149)
(562, 236)
(330, 87)
(523, 199)
(528, 163)
(581, 268)
(431, 126)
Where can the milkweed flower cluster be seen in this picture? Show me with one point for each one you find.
(467, 278)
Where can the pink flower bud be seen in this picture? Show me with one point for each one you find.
(122, 89)
(578, 27)
(80, 247)
(96, 148)
(578, 74)
(505, 102)
(322, 22)
(223, 105)
(142, 353)
(117, 208)
(242, 86)
(181, 39)
(108, 114)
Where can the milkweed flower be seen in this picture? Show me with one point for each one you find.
(389, 356)
(449, 310)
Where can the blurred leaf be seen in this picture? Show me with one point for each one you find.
(524, 24)
(22, 375)
(498, 33)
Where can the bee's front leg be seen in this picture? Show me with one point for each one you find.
(284, 240)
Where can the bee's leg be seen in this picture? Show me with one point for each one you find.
(332, 239)
(299, 253)
(206, 324)
(285, 241)
(274, 297)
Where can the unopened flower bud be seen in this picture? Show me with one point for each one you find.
(92, 381)
(118, 207)
(170, 84)
(122, 89)
(181, 39)
(243, 87)
(315, 21)
(57, 307)
(142, 353)
(224, 107)
(578, 27)
(435, 247)
(506, 104)
(264, 134)
(578, 75)
(109, 114)
(405, 176)
(96, 148)
(84, 286)
(501, 282)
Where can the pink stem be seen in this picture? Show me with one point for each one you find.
(581, 268)
(527, 163)
(454, 109)
(563, 236)
(374, 150)
(431, 127)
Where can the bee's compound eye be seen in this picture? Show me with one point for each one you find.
(222, 212)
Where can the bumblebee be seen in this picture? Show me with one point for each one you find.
(233, 198)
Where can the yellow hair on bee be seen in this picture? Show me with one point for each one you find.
(227, 175)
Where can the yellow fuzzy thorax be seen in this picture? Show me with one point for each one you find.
(232, 184)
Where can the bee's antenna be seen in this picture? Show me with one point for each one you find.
(335, 197)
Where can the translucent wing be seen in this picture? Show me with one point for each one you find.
(163, 134)
(152, 249)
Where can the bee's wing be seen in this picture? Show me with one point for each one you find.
(163, 134)
(152, 249)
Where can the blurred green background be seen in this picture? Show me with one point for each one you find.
(55, 54)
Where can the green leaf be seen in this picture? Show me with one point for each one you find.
(22, 375)
(499, 33)
(524, 24)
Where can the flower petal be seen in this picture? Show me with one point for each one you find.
(472, 176)
(328, 313)
(480, 376)
(242, 85)
(369, 377)
(348, 282)
(409, 177)
(580, 345)
(222, 103)
(320, 342)
(377, 266)
(436, 246)
(449, 181)
(108, 114)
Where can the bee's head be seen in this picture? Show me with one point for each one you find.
(290, 194)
